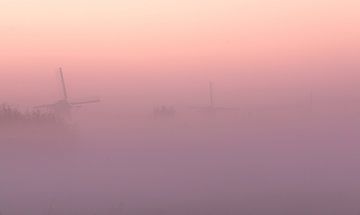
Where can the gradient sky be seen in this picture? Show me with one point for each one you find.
(137, 54)
(168, 42)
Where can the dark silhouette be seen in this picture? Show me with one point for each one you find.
(62, 108)
(164, 111)
(211, 108)
(11, 115)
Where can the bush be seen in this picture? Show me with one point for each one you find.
(12, 115)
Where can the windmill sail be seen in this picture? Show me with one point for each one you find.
(63, 84)
(63, 106)
(86, 102)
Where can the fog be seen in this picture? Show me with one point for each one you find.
(278, 150)
(140, 130)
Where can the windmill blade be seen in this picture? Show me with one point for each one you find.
(63, 84)
(85, 102)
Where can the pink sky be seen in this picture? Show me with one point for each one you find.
(138, 54)
(163, 41)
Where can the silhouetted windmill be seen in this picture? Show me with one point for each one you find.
(211, 108)
(62, 108)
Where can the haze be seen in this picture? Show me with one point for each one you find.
(280, 138)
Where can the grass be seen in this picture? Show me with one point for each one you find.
(11, 115)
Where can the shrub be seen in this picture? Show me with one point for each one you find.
(12, 115)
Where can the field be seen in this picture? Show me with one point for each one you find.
(299, 163)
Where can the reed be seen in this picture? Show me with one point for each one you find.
(12, 115)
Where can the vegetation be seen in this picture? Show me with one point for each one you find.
(12, 115)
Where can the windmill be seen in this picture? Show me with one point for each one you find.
(211, 108)
(62, 108)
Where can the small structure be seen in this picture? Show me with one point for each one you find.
(211, 108)
(164, 111)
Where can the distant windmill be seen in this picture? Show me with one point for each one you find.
(211, 108)
(62, 108)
